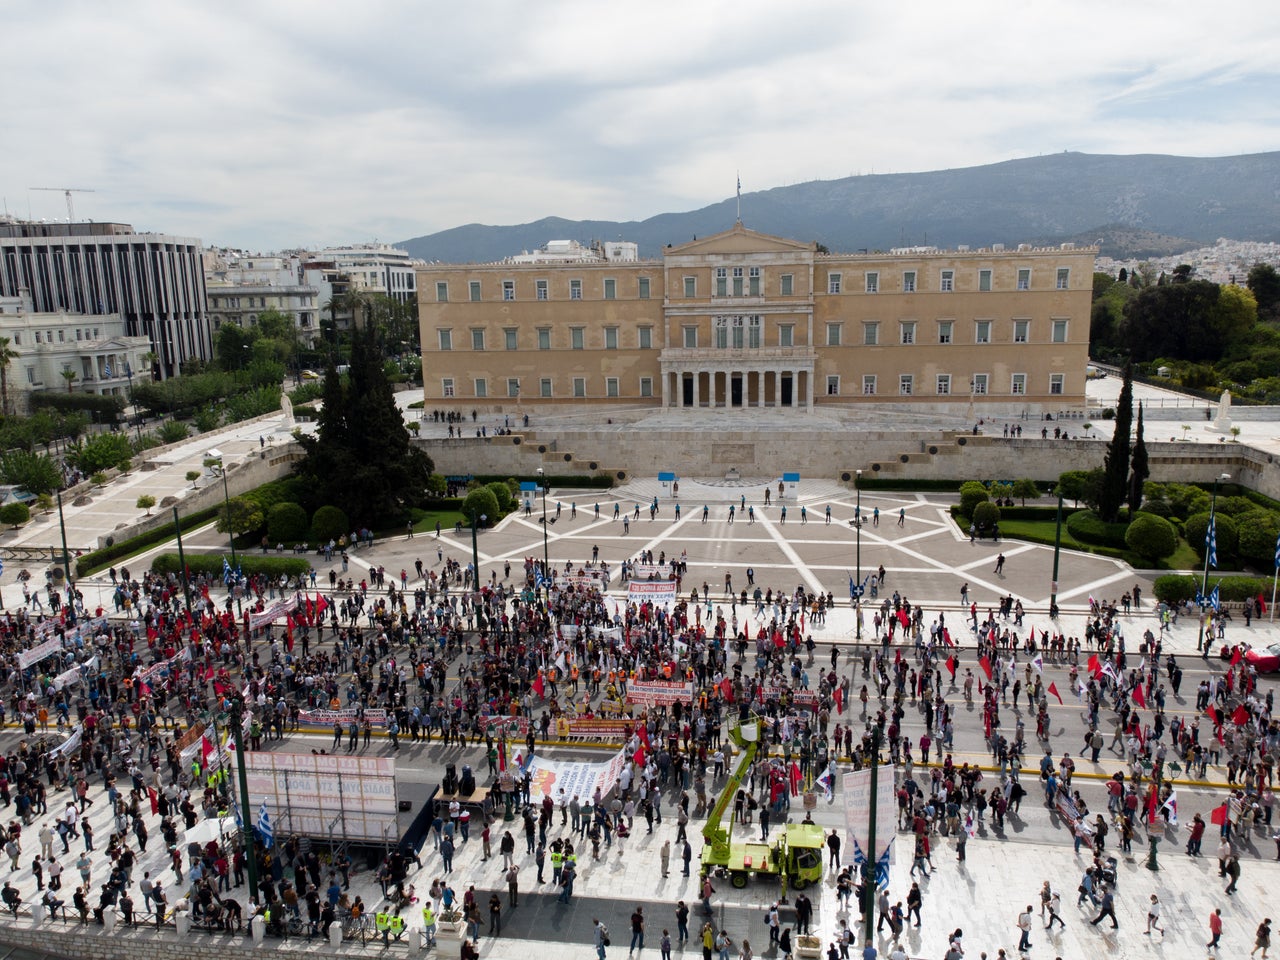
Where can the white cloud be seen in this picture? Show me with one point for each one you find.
(291, 123)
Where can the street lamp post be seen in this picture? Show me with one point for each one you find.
(216, 455)
(66, 559)
(137, 420)
(869, 861)
(857, 587)
(1202, 643)
(475, 552)
(546, 562)
(1057, 550)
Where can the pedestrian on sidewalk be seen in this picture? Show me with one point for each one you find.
(1153, 916)
(1262, 940)
(1215, 928)
(1024, 925)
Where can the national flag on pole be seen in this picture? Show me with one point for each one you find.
(538, 685)
(1215, 599)
(1053, 688)
(1241, 715)
(1139, 697)
(839, 697)
(1278, 553)
(1171, 805)
(265, 832)
(985, 664)
(1219, 815)
(825, 781)
(1211, 543)
(952, 663)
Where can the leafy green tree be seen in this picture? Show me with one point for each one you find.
(1151, 537)
(146, 502)
(101, 452)
(1173, 320)
(1264, 284)
(171, 431)
(192, 477)
(1234, 314)
(329, 523)
(1115, 475)
(15, 514)
(481, 502)
(1258, 532)
(972, 493)
(287, 523)
(1140, 466)
(7, 356)
(1226, 533)
(70, 376)
(238, 516)
(502, 493)
(207, 419)
(986, 515)
(33, 472)
(233, 345)
(1025, 489)
(1081, 486)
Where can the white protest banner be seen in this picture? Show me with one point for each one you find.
(327, 718)
(651, 591)
(274, 611)
(857, 810)
(37, 653)
(71, 744)
(655, 693)
(575, 777)
(643, 571)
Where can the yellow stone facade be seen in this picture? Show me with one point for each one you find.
(742, 319)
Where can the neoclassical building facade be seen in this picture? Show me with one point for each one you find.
(746, 320)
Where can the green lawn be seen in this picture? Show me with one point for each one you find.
(1042, 531)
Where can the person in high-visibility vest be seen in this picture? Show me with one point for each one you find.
(429, 924)
(382, 923)
(397, 926)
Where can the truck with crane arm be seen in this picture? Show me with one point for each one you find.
(794, 855)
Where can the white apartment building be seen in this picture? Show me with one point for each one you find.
(376, 267)
(241, 286)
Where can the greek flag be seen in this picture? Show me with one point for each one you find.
(1278, 552)
(1215, 600)
(1211, 543)
(106, 370)
(265, 833)
(226, 571)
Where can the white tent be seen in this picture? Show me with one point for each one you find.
(212, 829)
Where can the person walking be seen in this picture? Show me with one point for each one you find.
(513, 886)
(1215, 928)
(600, 937)
(1108, 910)
(1024, 925)
(1262, 940)
(637, 930)
(999, 565)
(1055, 907)
(1153, 916)
(1233, 872)
(664, 857)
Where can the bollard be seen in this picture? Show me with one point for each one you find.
(108, 918)
(37, 913)
(335, 934)
(258, 927)
(182, 923)
(416, 940)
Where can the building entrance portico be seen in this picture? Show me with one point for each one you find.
(737, 386)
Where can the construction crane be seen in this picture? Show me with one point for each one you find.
(68, 191)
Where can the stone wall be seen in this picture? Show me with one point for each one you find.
(146, 943)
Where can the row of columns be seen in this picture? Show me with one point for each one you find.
(720, 384)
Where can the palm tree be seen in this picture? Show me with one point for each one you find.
(6, 355)
(69, 375)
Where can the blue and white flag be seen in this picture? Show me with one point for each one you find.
(226, 571)
(1215, 600)
(1278, 553)
(106, 370)
(825, 781)
(1211, 543)
(265, 833)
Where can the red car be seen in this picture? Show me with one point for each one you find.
(1264, 660)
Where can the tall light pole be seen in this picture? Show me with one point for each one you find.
(475, 552)
(1057, 550)
(546, 562)
(213, 459)
(66, 559)
(857, 525)
(1202, 644)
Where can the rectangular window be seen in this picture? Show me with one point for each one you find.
(610, 386)
(753, 278)
(442, 292)
(787, 285)
(868, 384)
(1024, 279)
(579, 387)
(575, 289)
(833, 334)
(644, 288)
(610, 289)
(833, 386)
(690, 287)
(1018, 384)
(755, 332)
(611, 338)
(948, 281)
(833, 283)
(1064, 278)
(984, 281)
(906, 383)
(786, 334)
(979, 384)
(738, 329)
(982, 331)
(908, 332)
(446, 387)
(690, 336)
(722, 332)
(577, 338)
(544, 338)
(446, 339)
(909, 281)
(511, 338)
(508, 289)
(482, 388)
(722, 282)
(1055, 384)
(513, 387)
(737, 281)
(873, 283)
(37, 336)
(1021, 330)
(646, 386)
(644, 338)
(477, 339)
(540, 288)
(474, 288)
(1059, 331)
(871, 334)
(943, 386)
(544, 387)
(944, 331)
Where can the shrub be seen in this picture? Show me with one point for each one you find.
(97, 559)
(15, 514)
(287, 523)
(98, 479)
(329, 523)
(1151, 537)
(972, 493)
(34, 472)
(1226, 534)
(502, 493)
(1081, 486)
(173, 432)
(1175, 587)
(207, 418)
(192, 477)
(1087, 527)
(481, 502)
(102, 408)
(1258, 530)
(1160, 508)
(1234, 506)
(986, 515)
(102, 452)
(146, 502)
(240, 515)
(210, 564)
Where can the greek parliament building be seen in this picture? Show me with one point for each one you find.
(743, 319)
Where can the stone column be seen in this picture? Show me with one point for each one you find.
(697, 375)
(809, 377)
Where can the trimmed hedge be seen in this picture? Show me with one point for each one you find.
(603, 483)
(97, 559)
(103, 408)
(1175, 588)
(251, 564)
(1085, 526)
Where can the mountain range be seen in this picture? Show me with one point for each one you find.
(1136, 205)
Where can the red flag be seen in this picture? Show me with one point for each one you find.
(946, 637)
(288, 629)
(155, 800)
(1241, 716)
(796, 778)
(1236, 655)
(502, 756)
(952, 663)
(985, 664)
(980, 687)
(726, 689)
(839, 699)
(1053, 688)
(538, 685)
(1139, 697)
(321, 605)
(1095, 667)
(643, 730)
(1219, 815)
(903, 619)
(206, 748)
(1153, 800)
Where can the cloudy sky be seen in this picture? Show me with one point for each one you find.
(277, 124)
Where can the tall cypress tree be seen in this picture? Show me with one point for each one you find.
(1115, 478)
(1141, 470)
